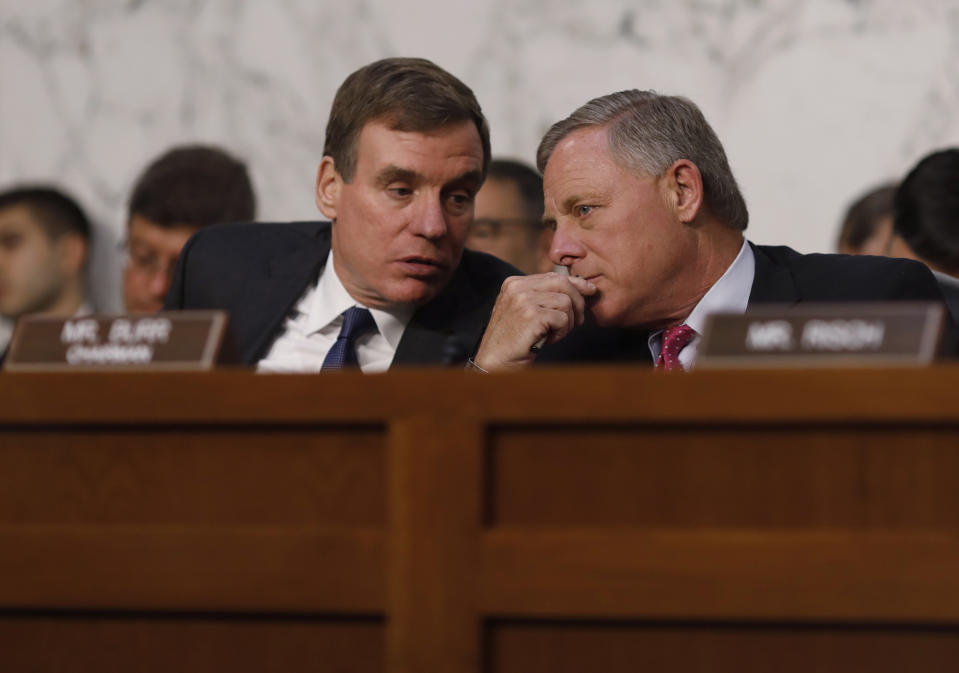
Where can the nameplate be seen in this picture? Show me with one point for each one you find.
(172, 341)
(840, 335)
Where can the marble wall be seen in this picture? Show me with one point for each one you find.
(815, 100)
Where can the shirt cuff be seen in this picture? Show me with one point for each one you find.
(473, 367)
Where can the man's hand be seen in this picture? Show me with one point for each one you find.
(528, 309)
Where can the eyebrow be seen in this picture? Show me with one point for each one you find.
(549, 221)
(569, 202)
(396, 174)
(393, 173)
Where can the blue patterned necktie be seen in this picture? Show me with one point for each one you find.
(357, 321)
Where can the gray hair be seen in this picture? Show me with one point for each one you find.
(648, 133)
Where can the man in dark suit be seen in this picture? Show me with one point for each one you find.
(387, 281)
(649, 219)
(926, 220)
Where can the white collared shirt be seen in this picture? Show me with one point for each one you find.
(7, 324)
(312, 327)
(729, 294)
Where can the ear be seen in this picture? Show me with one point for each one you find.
(684, 184)
(72, 250)
(329, 184)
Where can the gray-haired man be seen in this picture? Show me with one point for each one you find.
(648, 219)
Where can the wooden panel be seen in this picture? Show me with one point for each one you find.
(435, 508)
(766, 497)
(306, 569)
(725, 573)
(717, 648)
(187, 644)
(610, 394)
(226, 475)
(708, 475)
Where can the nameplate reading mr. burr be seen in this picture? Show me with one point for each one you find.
(173, 341)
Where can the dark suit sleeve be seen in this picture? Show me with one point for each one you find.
(913, 281)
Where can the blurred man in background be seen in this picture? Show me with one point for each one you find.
(183, 190)
(44, 240)
(44, 243)
(926, 221)
(867, 225)
(508, 217)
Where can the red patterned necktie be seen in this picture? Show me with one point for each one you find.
(675, 339)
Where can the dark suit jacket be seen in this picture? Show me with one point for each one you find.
(949, 286)
(257, 272)
(783, 276)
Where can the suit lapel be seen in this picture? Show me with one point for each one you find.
(445, 330)
(423, 342)
(773, 282)
(285, 280)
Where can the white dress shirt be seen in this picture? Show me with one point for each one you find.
(313, 325)
(729, 294)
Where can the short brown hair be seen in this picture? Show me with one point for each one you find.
(409, 94)
(194, 186)
(55, 211)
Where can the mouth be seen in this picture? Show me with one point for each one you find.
(422, 267)
(152, 307)
(591, 278)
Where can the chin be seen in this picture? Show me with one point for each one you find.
(145, 308)
(415, 292)
(608, 315)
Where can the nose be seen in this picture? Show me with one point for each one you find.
(565, 248)
(429, 221)
(159, 284)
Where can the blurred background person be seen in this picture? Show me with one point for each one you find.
(184, 189)
(507, 217)
(44, 241)
(867, 225)
(926, 220)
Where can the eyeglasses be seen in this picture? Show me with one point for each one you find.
(146, 261)
(491, 227)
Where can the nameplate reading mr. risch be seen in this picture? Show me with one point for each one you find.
(177, 340)
(882, 334)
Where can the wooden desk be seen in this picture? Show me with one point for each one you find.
(562, 520)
